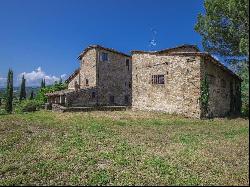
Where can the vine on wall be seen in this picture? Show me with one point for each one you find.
(204, 94)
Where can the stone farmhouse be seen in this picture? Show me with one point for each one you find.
(168, 80)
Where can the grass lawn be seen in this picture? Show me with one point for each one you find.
(122, 148)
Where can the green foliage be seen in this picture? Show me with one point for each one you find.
(27, 106)
(31, 95)
(244, 73)
(204, 94)
(22, 89)
(225, 31)
(9, 92)
(224, 28)
(42, 98)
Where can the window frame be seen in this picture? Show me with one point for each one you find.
(102, 55)
(127, 63)
(158, 79)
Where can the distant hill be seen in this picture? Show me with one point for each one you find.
(16, 91)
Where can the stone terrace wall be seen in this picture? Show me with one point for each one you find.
(181, 92)
(114, 79)
(224, 90)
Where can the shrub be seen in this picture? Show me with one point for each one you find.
(28, 106)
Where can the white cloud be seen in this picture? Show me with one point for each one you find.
(34, 78)
(2, 81)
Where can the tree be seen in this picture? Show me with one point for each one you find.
(225, 32)
(32, 95)
(9, 94)
(22, 89)
(43, 84)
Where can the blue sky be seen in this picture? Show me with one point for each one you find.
(42, 38)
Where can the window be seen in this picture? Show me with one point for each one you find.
(126, 99)
(104, 57)
(87, 82)
(158, 79)
(129, 85)
(93, 95)
(111, 99)
(127, 64)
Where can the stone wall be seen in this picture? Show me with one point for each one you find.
(71, 84)
(224, 90)
(114, 79)
(181, 92)
(88, 69)
(83, 97)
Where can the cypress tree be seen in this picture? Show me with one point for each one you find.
(9, 94)
(32, 95)
(22, 90)
(43, 85)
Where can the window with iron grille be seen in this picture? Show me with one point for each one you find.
(87, 82)
(158, 79)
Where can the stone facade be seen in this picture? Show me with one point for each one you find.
(180, 92)
(74, 82)
(100, 82)
(224, 89)
(114, 79)
(168, 80)
(183, 70)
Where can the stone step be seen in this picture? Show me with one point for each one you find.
(59, 108)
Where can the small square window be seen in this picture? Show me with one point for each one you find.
(158, 79)
(104, 57)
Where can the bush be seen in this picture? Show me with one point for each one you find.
(28, 106)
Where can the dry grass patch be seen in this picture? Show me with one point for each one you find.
(122, 148)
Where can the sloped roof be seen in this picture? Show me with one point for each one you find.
(196, 49)
(100, 47)
(73, 75)
(58, 93)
